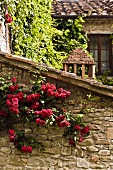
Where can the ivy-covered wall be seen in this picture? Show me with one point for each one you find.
(95, 152)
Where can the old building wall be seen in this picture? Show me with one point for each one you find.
(98, 25)
(95, 152)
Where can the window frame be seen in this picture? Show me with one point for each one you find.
(99, 36)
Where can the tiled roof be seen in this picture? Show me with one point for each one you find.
(69, 8)
(79, 56)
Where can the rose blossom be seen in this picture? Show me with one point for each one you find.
(46, 113)
(60, 118)
(11, 132)
(80, 139)
(72, 142)
(64, 123)
(29, 149)
(24, 148)
(77, 127)
(12, 88)
(40, 122)
(85, 130)
(14, 80)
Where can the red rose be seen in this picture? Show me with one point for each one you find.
(37, 112)
(38, 121)
(62, 95)
(20, 96)
(10, 96)
(24, 148)
(43, 88)
(48, 86)
(14, 110)
(57, 94)
(16, 87)
(68, 93)
(46, 113)
(29, 98)
(85, 130)
(11, 132)
(60, 118)
(35, 106)
(12, 138)
(53, 87)
(14, 80)
(42, 122)
(60, 90)
(80, 139)
(12, 88)
(64, 123)
(50, 92)
(29, 149)
(77, 127)
(8, 19)
(72, 142)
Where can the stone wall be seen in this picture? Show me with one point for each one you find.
(98, 25)
(95, 152)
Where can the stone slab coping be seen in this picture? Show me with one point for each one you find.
(27, 64)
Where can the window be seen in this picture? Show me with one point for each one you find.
(101, 48)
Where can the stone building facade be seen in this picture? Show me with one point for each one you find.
(98, 26)
(95, 152)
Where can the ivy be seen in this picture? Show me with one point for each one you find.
(35, 35)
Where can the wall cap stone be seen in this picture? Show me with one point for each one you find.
(27, 64)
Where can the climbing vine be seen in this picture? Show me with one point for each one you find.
(39, 105)
(35, 35)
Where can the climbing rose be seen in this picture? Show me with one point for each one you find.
(11, 132)
(60, 118)
(24, 149)
(20, 96)
(85, 130)
(12, 88)
(72, 142)
(46, 113)
(14, 80)
(8, 19)
(64, 123)
(29, 149)
(81, 139)
(12, 138)
(14, 110)
(77, 127)
(40, 122)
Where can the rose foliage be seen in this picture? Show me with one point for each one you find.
(38, 105)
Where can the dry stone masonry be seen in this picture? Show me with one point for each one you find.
(95, 152)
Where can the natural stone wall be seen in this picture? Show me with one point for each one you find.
(95, 152)
(98, 25)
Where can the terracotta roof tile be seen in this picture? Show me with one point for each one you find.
(79, 56)
(82, 7)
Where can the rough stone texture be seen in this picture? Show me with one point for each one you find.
(96, 152)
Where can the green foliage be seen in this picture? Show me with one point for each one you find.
(104, 78)
(35, 35)
(71, 35)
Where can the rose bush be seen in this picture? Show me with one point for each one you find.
(39, 106)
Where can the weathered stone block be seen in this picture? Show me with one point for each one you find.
(110, 133)
(104, 152)
(36, 161)
(82, 163)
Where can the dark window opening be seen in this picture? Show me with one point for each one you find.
(100, 46)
